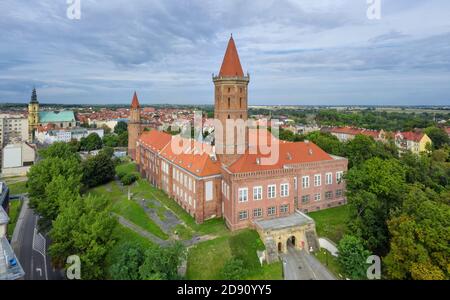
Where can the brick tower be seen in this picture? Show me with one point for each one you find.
(230, 103)
(134, 126)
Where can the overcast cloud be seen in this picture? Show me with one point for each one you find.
(296, 51)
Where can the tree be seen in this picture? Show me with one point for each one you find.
(43, 172)
(126, 267)
(120, 128)
(362, 148)
(98, 169)
(352, 257)
(123, 139)
(374, 189)
(111, 140)
(60, 150)
(234, 269)
(438, 136)
(326, 141)
(91, 142)
(420, 243)
(83, 227)
(163, 262)
(106, 129)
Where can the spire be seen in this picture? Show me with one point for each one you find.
(34, 96)
(231, 65)
(135, 101)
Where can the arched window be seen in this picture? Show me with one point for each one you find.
(240, 102)
(228, 116)
(229, 102)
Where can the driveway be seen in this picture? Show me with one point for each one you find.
(300, 265)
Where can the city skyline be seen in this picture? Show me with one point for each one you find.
(297, 53)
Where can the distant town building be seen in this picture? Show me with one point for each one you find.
(49, 135)
(17, 159)
(348, 133)
(13, 129)
(416, 142)
(36, 118)
(10, 268)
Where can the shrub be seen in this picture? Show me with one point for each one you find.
(129, 178)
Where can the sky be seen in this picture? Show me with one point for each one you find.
(297, 52)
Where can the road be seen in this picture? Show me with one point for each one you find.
(300, 265)
(31, 247)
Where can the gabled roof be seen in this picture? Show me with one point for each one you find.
(135, 101)
(412, 136)
(289, 153)
(155, 139)
(231, 65)
(56, 116)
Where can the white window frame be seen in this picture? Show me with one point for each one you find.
(317, 180)
(257, 191)
(329, 178)
(317, 197)
(339, 176)
(260, 210)
(274, 211)
(305, 182)
(284, 190)
(269, 192)
(242, 195)
(241, 213)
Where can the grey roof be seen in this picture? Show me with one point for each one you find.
(4, 189)
(8, 272)
(295, 219)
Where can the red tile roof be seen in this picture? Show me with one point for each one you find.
(135, 101)
(289, 153)
(155, 139)
(231, 65)
(412, 136)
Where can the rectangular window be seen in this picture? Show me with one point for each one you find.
(339, 176)
(271, 211)
(305, 182)
(305, 199)
(284, 209)
(271, 191)
(208, 191)
(243, 194)
(257, 213)
(317, 197)
(317, 180)
(329, 178)
(243, 215)
(257, 193)
(295, 183)
(338, 193)
(284, 189)
(190, 183)
(328, 195)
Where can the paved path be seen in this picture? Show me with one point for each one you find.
(139, 230)
(300, 265)
(329, 245)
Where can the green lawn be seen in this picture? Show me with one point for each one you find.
(128, 209)
(206, 260)
(331, 222)
(14, 211)
(18, 188)
(329, 261)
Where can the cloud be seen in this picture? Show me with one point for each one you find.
(298, 52)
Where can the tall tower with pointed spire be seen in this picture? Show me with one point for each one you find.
(230, 103)
(33, 115)
(134, 126)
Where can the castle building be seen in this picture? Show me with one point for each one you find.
(37, 118)
(134, 126)
(238, 186)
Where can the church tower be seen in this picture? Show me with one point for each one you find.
(33, 115)
(230, 103)
(134, 126)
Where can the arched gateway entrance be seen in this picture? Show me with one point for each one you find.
(291, 241)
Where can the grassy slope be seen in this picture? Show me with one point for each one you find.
(205, 260)
(331, 222)
(18, 188)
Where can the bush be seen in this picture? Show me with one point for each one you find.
(234, 269)
(129, 178)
